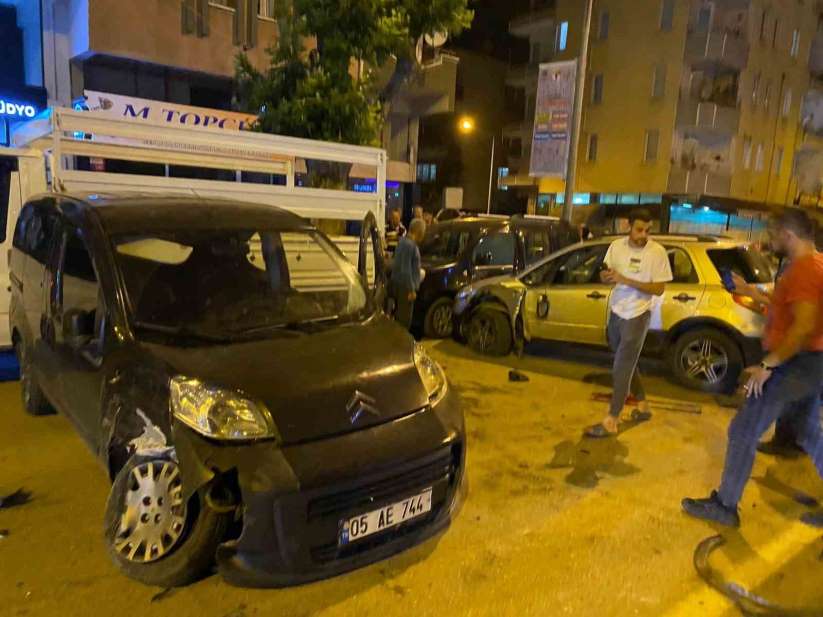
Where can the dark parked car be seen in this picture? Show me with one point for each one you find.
(232, 372)
(459, 252)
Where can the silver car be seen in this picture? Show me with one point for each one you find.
(706, 334)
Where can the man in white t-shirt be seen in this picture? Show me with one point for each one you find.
(639, 269)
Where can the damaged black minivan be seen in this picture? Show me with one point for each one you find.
(236, 377)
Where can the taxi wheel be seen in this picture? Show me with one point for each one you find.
(489, 332)
(439, 321)
(706, 359)
(152, 534)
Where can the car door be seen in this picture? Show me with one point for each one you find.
(570, 303)
(75, 299)
(370, 259)
(683, 294)
(494, 254)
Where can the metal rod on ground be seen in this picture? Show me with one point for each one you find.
(574, 141)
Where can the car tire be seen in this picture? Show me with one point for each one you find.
(439, 320)
(34, 401)
(706, 359)
(195, 530)
(489, 332)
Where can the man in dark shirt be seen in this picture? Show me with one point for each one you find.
(406, 275)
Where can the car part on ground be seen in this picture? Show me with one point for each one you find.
(706, 359)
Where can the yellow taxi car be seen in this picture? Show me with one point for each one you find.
(706, 333)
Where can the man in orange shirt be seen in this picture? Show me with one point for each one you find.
(789, 378)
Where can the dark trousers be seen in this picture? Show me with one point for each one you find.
(403, 308)
(793, 390)
(626, 338)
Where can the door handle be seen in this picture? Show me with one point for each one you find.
(596, 295)
(684, 297)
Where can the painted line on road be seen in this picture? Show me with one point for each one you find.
(780, 550)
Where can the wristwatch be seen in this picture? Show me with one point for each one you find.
(766, 367)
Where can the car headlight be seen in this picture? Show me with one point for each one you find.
(218, 413)
(432, 375)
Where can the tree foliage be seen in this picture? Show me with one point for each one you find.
(315, 87)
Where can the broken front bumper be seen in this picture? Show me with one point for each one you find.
(294, 498)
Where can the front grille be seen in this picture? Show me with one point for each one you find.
(363, 495)
(439, 471)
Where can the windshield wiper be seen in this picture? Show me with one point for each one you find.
(305, 325)
(183, 331)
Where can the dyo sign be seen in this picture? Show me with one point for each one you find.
(17, 110)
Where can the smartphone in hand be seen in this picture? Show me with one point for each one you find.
(728, 280)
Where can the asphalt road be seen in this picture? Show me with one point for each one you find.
(553, 525)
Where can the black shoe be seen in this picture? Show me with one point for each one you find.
(712, 509)
(813, 519)
(779, 448)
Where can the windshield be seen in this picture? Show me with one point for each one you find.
(229, 282)
(445, 244)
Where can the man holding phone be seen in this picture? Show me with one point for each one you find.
(639, 269)
(789, 378)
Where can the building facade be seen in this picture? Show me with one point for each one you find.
(182, 52)
(684, 100)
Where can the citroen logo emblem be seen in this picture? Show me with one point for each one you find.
(361, 404)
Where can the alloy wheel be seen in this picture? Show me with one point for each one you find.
(154, 513)
(481, 333)
(442, 320)
(25, 378)
(705, 360)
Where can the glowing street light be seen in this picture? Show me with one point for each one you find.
(466, 124)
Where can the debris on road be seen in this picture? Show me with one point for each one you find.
(4, 533)
(17, 498)
(515, 375)
(748, 603)
(659, 404)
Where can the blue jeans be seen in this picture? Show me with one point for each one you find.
(793, 389)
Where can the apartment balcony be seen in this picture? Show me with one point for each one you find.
(534, 22)
(683, 181)
(430, 90)
(697, 115)
(717, 48)
(816, 57)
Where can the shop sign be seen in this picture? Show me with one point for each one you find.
(12, 109)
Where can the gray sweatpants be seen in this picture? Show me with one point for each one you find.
(626, 338)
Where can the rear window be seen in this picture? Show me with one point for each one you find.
(445, 244)
(748, 263)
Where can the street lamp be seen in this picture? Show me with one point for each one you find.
(467, 125)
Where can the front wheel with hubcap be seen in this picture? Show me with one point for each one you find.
(153, 535)
(706, 359)
(439, 321)
(489, 332)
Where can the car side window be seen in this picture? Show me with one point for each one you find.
(495, 250)
(580, 267)
(537, 245)
(682, 266)
(35, 232)
(77, 291)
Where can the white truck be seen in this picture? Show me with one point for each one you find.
(66, 151)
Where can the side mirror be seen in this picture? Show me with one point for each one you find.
(78, 328)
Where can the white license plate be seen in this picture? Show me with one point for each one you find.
(386, 517)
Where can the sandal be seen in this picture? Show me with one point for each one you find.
(639, 415)
(598, 431)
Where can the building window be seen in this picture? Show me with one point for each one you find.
(265, 8)
(775, 32)
(603, 27)
(778, 161)
(795, 43)
(787, 103)
(426, 172)
(758, 159)
(755, 88)
(767, 95)
(652, 139)
(659, 81)
(597, 89)
(666, 15)
(591, 151)
(562, 35)
(704, 18)
(747, 152)
(763, 25)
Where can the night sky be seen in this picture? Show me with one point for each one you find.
(489, 31)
